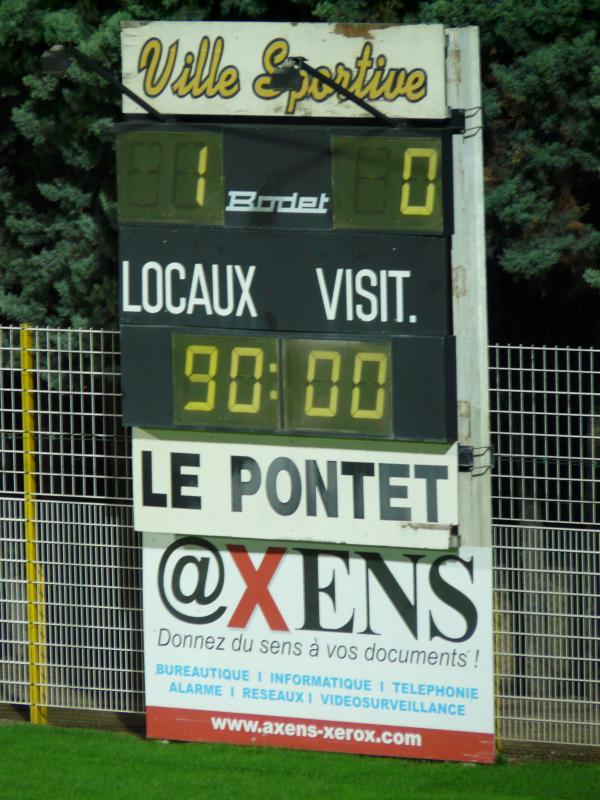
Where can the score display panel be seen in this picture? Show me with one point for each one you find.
(287, 279)
(283, 176)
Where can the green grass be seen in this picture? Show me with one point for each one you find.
(45, 763)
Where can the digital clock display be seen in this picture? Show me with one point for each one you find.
(225, 381)
(387, 183)
(170, 177)
(343, 386)
(395, 387)
(282, 385)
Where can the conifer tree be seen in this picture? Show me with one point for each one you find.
(57, 174)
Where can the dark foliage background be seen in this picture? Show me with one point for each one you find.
(541, 74)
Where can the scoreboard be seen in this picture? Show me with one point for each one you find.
(302, 314)
(287, 279)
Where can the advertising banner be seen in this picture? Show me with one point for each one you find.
(319, 647)
(227, 68)
(186, 485)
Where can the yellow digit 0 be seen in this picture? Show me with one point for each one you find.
(357, 378)
(432, 167)
(330, 410)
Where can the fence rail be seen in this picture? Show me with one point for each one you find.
(545, 418)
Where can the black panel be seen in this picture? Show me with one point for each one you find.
(285, 280)
(146, 371)
(281, 178)
(422, 388)
(287, 231)
(425, 388)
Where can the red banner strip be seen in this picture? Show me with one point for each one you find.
(314, 734)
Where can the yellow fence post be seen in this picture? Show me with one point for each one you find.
(36, 611)
(497, 665)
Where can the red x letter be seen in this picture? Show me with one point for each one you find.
(257, 592)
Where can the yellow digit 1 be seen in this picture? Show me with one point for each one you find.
(201, 187)
(192, 351)
(357, 378)
(330, 410)
(189, 178)
(259, 357)
(432, 166)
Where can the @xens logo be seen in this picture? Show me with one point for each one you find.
(191, 574)
(361, 588)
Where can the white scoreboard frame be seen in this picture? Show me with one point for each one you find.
(469, 289)
(171, 715)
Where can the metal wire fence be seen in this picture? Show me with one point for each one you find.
(546, 428)
(546, 434)
(85, 544)
(545, 425)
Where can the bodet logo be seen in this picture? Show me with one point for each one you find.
(320, 590)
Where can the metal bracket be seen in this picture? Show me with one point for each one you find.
(469, 459)
(300, 62)
(457, 120)
(58, 58)
(287, 76)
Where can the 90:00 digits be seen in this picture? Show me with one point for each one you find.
(324, 384)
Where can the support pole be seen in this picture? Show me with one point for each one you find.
(36, 610)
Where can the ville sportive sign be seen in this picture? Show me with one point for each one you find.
(227, 68)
